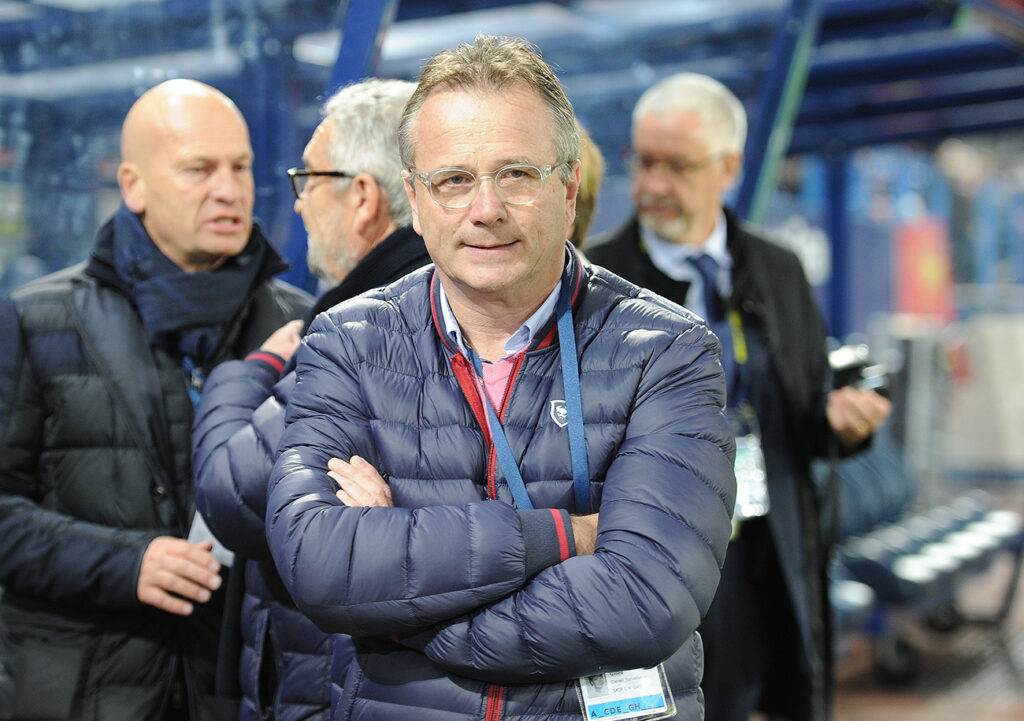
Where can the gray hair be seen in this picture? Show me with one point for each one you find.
(365, 117)
(492, 64)
(721, 113)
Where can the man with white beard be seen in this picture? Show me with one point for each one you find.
(766, 637)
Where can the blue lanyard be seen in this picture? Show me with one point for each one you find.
(573, 406)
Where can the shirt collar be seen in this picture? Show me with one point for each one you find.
(671, 258)
(516, 342)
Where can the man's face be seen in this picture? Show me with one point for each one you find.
(678, 181)
(331, 248)
(491, 251)
(195, 185)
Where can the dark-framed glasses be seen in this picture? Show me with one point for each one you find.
(515, 184)
(300, 177)
(670, 167)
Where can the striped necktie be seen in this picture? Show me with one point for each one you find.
(708, 269)
(715, 308)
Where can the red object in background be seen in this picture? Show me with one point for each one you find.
(924, 270)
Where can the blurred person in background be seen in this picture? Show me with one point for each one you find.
(766, 639)
(591, 175)
(113, 598)
(438, 494)
(351, 198)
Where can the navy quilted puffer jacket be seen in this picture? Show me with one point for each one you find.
(285, 660)
(462, 606)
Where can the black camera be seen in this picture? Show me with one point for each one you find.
(853, 365)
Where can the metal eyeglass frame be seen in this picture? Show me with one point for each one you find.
(295, 173)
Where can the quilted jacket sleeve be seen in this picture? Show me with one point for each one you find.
(45, 553)
(238, 424)
(662, 536)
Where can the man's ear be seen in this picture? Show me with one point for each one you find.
(572, 189)
(369, 204)
(133, 187)
(733, 166)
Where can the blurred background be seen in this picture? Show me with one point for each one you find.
(886, 148)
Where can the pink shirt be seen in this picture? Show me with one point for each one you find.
(495, 375)
(496, 379)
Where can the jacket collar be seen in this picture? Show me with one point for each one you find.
(748, 279)
(574, 272)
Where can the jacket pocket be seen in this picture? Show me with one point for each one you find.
(268, 677)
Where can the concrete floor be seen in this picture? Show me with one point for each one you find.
(974, 673)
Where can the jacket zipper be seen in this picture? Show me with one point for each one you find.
(496, 694)
(466, 378)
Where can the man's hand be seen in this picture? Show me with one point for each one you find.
(284, 340)
(584, 531)
(175, 566)
(360, 483)
(855, 414)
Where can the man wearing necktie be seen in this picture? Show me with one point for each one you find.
(766, 639)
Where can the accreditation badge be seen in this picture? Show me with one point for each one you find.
(642, 693)
(751, 477)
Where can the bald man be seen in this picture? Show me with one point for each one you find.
(113, 596)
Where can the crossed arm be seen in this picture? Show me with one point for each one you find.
(360, 486)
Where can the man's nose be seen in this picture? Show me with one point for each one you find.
(227, 184)
(486, 206)
(653, 182)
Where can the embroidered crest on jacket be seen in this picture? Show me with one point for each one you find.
(559, 414)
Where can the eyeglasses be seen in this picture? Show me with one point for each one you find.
(300, 177)
(669, 167)
(455, 188)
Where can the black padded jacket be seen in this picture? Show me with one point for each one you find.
(94, 464)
